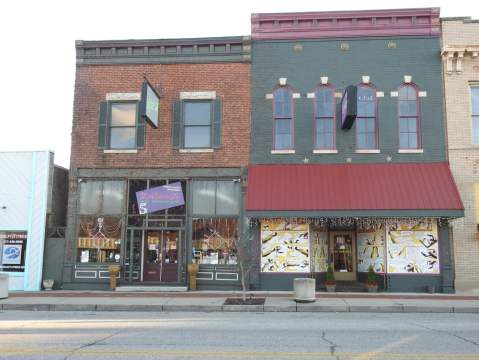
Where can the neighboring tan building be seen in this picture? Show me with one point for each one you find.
(460, 54)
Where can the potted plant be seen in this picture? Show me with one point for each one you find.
(330, 280)
(372, 283)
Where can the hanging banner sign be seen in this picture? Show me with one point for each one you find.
(349, 107)
(160, 198)
(150, 104)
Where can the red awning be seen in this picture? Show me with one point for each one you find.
(345, 187)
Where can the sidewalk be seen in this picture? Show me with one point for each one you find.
(209, 301)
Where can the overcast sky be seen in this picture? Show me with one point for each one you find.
(37, 49)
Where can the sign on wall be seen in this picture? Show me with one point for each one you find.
(284, 246)
(150, 104)
(160, 198)
(12, 251)
(371, 249)
(349, 107)
(413, 247)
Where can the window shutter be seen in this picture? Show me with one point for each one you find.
(103, 125)
(217, 118)
(140, 131)
(176, 122)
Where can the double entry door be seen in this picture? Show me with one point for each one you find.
(152, 255)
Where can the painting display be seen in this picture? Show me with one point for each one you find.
(319, 249)
(371, 249)
(413, 247)
(284, 246)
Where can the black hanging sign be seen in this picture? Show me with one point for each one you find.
(349, 107)
(150, 104)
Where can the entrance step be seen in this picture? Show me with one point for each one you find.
(141, 288)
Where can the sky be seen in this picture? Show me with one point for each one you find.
(37, 49)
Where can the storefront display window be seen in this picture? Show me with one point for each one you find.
(214, 241)
(12, 251)
(215, 197)
(284, 246)
(371, 249)
(99, 240)
(319, 249)
(101, 197)
(413, 247)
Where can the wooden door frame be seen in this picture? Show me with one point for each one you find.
(344, 276)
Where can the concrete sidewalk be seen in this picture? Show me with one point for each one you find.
(214, 301)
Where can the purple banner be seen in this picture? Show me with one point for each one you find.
(160, 198)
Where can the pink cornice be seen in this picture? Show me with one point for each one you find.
(337, 24)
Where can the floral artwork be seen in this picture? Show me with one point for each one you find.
(413, 248)
(319, 249)
(284, 246)
(371, 249)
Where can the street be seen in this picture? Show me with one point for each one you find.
(141, 335)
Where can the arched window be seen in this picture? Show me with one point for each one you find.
(325, 118)
(283, 118)
(366, 119)
(409, 119)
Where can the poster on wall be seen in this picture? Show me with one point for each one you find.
(12, 251)
(284, 246)
(371, 249)
(319, 249)
(413, 247)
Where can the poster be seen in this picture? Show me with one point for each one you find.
(413, 247)
(319, 249)
(284, 246)
(371, 249)
(12, 251)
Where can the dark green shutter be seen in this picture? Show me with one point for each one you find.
(176, 128)
(103, 125)
(140, 129)
(217, 117)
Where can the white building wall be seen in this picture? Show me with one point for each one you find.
(24, 183)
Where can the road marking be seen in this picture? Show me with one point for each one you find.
(374, 353)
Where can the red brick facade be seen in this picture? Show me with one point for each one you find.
(231, 81)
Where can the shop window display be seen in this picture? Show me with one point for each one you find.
(99, 240)
(371, 249)
(214, 241)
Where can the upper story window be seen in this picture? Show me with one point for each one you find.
(475, 114)
(283, 118)
(366, 120)
(197, 117)
(409, 119)
(325, 117)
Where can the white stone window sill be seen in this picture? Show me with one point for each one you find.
(279, 152)
(196, 150)
(325, 151)
(368, 151)
(411, 151)
(119, 151)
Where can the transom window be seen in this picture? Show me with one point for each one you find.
(197, 122)
(123, 125)
(283, 119)
(325, 115)
(408, 117)
(366, 127)
(475, 114)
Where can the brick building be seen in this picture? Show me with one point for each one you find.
(172, 115)
(460, 49)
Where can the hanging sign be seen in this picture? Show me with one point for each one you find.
(150, 104)
(160, 198)
(349, 107)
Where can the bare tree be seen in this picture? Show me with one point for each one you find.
(247, 256)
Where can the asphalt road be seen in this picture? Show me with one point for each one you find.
(117, 335)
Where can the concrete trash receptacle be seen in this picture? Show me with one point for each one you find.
(304, 290)
(3, 286)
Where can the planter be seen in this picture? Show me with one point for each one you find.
(372, 287)
(192, 272)
(330, 287)
(3, 286)
(114, 271)
(304, 290)
(48, 284)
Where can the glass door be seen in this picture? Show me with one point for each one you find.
(170, 240)
(342, 250)
(152, 256)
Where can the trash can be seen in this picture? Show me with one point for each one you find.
(3, 286)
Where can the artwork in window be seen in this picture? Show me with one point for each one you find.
(13, 245)
(319, 249)
(413, 248)
(99, 240)
(370, 246)
(284, 246)
(214, 241)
